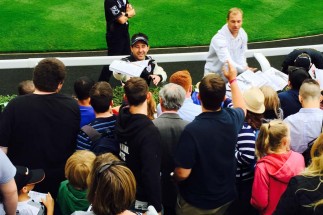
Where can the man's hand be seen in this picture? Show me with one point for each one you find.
(156, 79)
(229, 71)
(130, 11)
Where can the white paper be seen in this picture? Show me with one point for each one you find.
(319, 77)
(133, 69)
(36, 196)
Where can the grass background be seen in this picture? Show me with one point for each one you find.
(65, 25)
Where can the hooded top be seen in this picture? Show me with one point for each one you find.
(140, 148)
(272, 176)
(70, 199)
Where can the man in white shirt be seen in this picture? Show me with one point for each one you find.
(229, 44)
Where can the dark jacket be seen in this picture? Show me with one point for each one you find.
(140, 148)
(300, 193)
(316, 58)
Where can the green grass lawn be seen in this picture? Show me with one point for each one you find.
(65, 25)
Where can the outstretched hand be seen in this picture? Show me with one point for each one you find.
(229, 71)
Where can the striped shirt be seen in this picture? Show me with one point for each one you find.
(245, 152)
(101, 125)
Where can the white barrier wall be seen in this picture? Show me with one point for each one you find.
(160, 58)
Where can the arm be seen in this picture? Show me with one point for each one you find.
(10, 197)
(130, 12)
(221, 48)
(159, 72)
(181, 174)
(230, 73)
(260, 189)
(245, 148)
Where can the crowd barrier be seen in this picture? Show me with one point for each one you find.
(160, 58)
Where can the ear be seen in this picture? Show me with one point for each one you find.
(59, 87)
(289, 83)
(148, 48)
(300, 99)
(190, 89)
(225, 97)
(111, 103)
(149, 95)
(125, 97)
(25, 189)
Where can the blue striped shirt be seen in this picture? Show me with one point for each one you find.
(101, 125)
(245, 152)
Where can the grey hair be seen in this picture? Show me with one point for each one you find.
(172, 96)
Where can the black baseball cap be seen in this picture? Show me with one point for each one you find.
(303, 60)
(25, 176)
(139, 38)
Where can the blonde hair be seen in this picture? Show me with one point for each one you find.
(78, 167)
(234, 10)
(151, 107)
(270, 137)
(271, 100)
(112, 186)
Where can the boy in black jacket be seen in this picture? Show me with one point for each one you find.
(140, 144)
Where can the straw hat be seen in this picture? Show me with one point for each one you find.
(254, 100)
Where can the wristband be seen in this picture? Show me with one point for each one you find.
(233, 80)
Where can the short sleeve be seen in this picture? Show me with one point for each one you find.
(112, 10)
(7, 169)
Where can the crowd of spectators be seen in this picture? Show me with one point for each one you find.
(237, 155)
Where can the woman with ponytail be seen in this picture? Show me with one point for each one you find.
(276, 165)
(304, 194)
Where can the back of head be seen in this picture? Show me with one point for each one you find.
(310, 90)
(112, 186)
(234, 11)
(254, 100)
(271, 98)
(182, 78)
(48, 74)
(296, 76)
(101, 96)
(272, 102)
(136, 90)
(212, 91)
(303, 60)
(78, 167)
(172, 96)
(82, 87)
(26, 87)
(270, 137)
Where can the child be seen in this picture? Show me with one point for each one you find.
(277, 164)
(72, 192)
(26, 179)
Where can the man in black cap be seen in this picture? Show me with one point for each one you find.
(139, 49)
(303, 58)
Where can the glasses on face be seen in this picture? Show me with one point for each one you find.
(108, 165)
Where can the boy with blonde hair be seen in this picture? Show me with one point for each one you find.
(72, 192)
